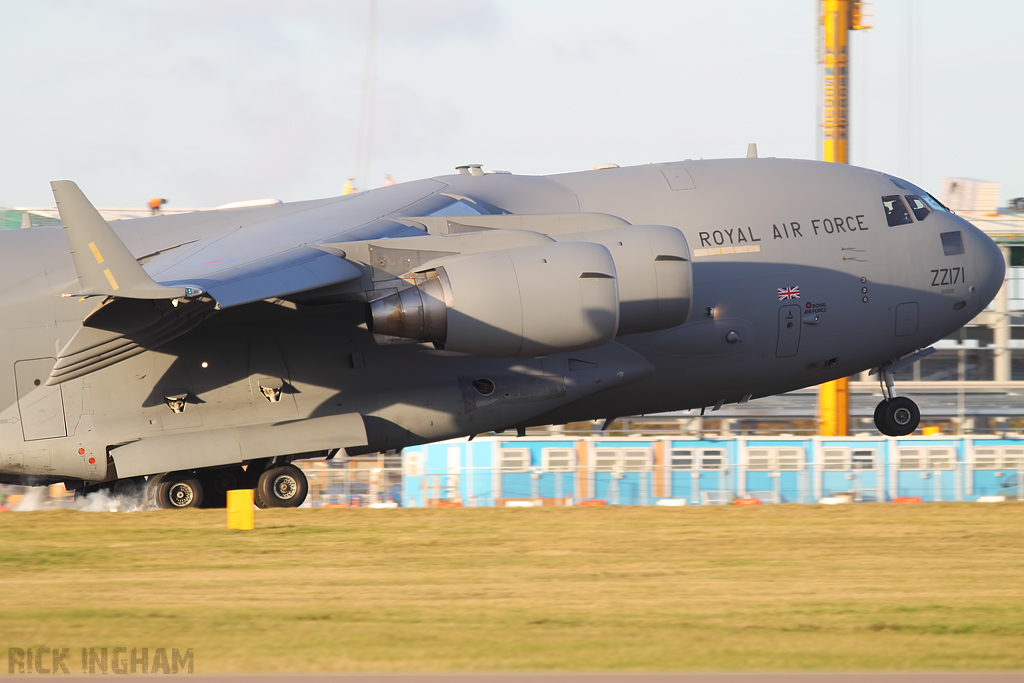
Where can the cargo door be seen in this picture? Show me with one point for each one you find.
(635, 476)
(41, 407)
(789, 331)
(605, 469)
(985, 471)
(789, 476)
(997, 471)
(913, 478)
(512, 474)
(867, 485)
(942, 467)
(927, 473)
(558, 467)
(710, 481)
(760, 479)
(684, 464)
(835, 472)
(709, 487)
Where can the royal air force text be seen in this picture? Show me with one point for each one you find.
(784, 231)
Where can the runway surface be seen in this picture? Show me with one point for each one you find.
(584, 678)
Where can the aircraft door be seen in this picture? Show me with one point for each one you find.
(789, 331)
(41, 407)
(906, 319)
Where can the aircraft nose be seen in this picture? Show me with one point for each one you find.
(990, 265)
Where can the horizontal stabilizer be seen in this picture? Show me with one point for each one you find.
(104, 265)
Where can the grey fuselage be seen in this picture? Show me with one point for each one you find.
(758, 230)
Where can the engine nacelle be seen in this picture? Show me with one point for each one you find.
(652, 266)
(527, 301)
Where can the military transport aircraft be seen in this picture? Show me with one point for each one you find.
(197, 353)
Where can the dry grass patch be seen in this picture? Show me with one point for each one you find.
(866, 587)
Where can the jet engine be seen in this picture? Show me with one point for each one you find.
(527, 301)
(652, 267)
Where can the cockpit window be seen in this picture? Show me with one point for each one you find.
(917, 205)
(934, 203)
(902, 184)
(896, 211)
(952, 243)
(926, 197)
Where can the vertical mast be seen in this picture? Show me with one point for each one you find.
(838, 18)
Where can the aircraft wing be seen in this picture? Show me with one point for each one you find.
(147, 305)
(234, 269)
(269, 254)
(260, 259)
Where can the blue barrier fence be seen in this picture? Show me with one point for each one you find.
(644, 471)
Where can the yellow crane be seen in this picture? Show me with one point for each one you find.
(837, 19)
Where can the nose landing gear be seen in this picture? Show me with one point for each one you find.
(895, 415)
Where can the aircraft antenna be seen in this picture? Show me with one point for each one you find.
(836, 20)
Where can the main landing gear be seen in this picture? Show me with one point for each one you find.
(895, 415)
(274, 486)
(277, 486)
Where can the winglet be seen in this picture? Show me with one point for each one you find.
(105, 266)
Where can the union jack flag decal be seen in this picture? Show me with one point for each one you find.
(789, 293)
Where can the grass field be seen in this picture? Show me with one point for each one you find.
(856, 587)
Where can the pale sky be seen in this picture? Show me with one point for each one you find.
(205, 102)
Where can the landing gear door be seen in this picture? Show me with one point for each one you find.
(789, 331)
(41, 407)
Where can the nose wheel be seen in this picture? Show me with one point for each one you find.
(895, 415)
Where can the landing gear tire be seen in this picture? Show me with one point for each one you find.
(253, 471)
(177, 492)
(152, 484)
(897, 417)
(284, 486)
(879, 412)
(133, 487)
(216, 484)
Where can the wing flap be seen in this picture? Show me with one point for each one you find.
(290, 272)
